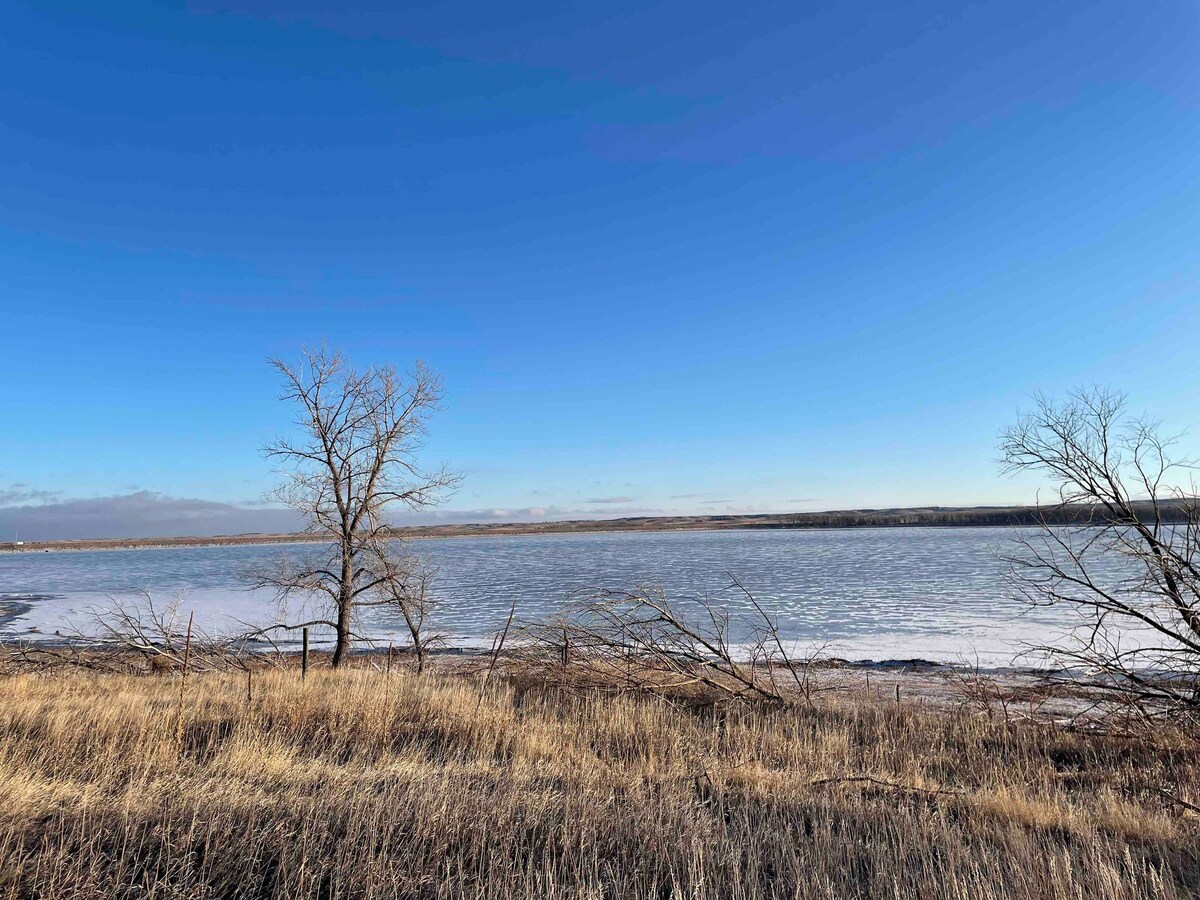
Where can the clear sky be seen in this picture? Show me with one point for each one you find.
(687, 257)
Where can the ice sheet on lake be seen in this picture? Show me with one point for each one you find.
(933, 593)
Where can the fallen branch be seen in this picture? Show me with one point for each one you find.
(1178, 802)
(867, 779)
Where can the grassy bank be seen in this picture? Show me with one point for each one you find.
(354, 784)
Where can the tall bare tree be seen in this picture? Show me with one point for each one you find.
(1128, 561)
(356, 458)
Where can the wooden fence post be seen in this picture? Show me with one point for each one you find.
(187, 658)
(304, 656)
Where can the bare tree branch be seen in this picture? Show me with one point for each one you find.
(1129, 567)
(638, 641)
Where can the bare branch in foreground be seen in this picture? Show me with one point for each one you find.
(1131, 577)
(638, 641)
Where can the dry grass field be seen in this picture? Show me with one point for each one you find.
(355, 784)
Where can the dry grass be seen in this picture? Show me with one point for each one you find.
(358, 785)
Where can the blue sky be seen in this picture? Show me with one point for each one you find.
(686, 257)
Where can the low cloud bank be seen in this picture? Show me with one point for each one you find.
(519, 514)
(38, 515)
(149, 514)
(142, 514)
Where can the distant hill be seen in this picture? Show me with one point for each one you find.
(909, 517)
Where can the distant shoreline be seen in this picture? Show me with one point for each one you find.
(916, 517)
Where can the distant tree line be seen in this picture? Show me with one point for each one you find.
(1169, 511)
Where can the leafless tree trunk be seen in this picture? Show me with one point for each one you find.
(1128, 566)
(356, 458)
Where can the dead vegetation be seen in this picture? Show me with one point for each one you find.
(354, 783)
(639, 641)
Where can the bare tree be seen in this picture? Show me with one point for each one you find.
(356, 459)
(1127, 561)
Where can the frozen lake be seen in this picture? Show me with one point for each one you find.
(875, 593)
